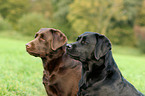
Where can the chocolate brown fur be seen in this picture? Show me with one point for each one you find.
(61, 73)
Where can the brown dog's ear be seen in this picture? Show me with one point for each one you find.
(102, 47)
(58, 39)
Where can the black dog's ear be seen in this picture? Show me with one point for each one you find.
(102, 47)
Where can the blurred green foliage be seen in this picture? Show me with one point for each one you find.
(142, 45)
(94, 15)
(140, 34)
(41, 6)
(122, 36)
(115, 19)
(13, 9)
(140, 20)
(61, 9)
(29, 24)
(4, 24)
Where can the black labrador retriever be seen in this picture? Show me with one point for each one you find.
(100, 74)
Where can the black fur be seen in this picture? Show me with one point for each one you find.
(100, 74)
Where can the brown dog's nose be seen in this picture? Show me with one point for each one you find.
(28, 45)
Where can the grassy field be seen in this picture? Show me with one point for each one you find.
(21, 74)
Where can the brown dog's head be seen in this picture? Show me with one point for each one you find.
(46, 40)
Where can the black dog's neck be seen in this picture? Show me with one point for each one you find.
(101, 69)
(52, 60)
(93, 69)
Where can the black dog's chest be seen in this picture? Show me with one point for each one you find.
(85, 67)
(98, 90)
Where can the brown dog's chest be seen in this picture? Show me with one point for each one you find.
(58, 82)
(49, 77)
(55, 76)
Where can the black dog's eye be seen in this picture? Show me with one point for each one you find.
(84, 42)
(78, 38)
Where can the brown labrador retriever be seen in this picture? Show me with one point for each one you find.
(61, 73)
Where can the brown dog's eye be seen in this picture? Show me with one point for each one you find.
(42, 37)
(36, 35)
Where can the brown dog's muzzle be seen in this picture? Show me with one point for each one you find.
(30, 47)
(35, 48)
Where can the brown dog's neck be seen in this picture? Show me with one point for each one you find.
(52, 60)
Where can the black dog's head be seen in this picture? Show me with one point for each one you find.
(89, 45)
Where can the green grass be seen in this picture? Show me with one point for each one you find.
(21, 74)
(133, 69)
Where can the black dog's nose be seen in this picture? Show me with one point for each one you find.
(68, 46)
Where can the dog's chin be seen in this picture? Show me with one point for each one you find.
(73, 56)
(33, 53)
(76, 57)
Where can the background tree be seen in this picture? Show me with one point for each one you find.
(140, 27)
(140, 20)
(113, 18)
(121, 31)
(43, 7)
(4, 24)
(94, 15)
(60, 12)
(12, 10)
(30, 24)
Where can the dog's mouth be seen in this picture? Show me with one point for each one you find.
(37, 54)
(76, 57)
(33, 53)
